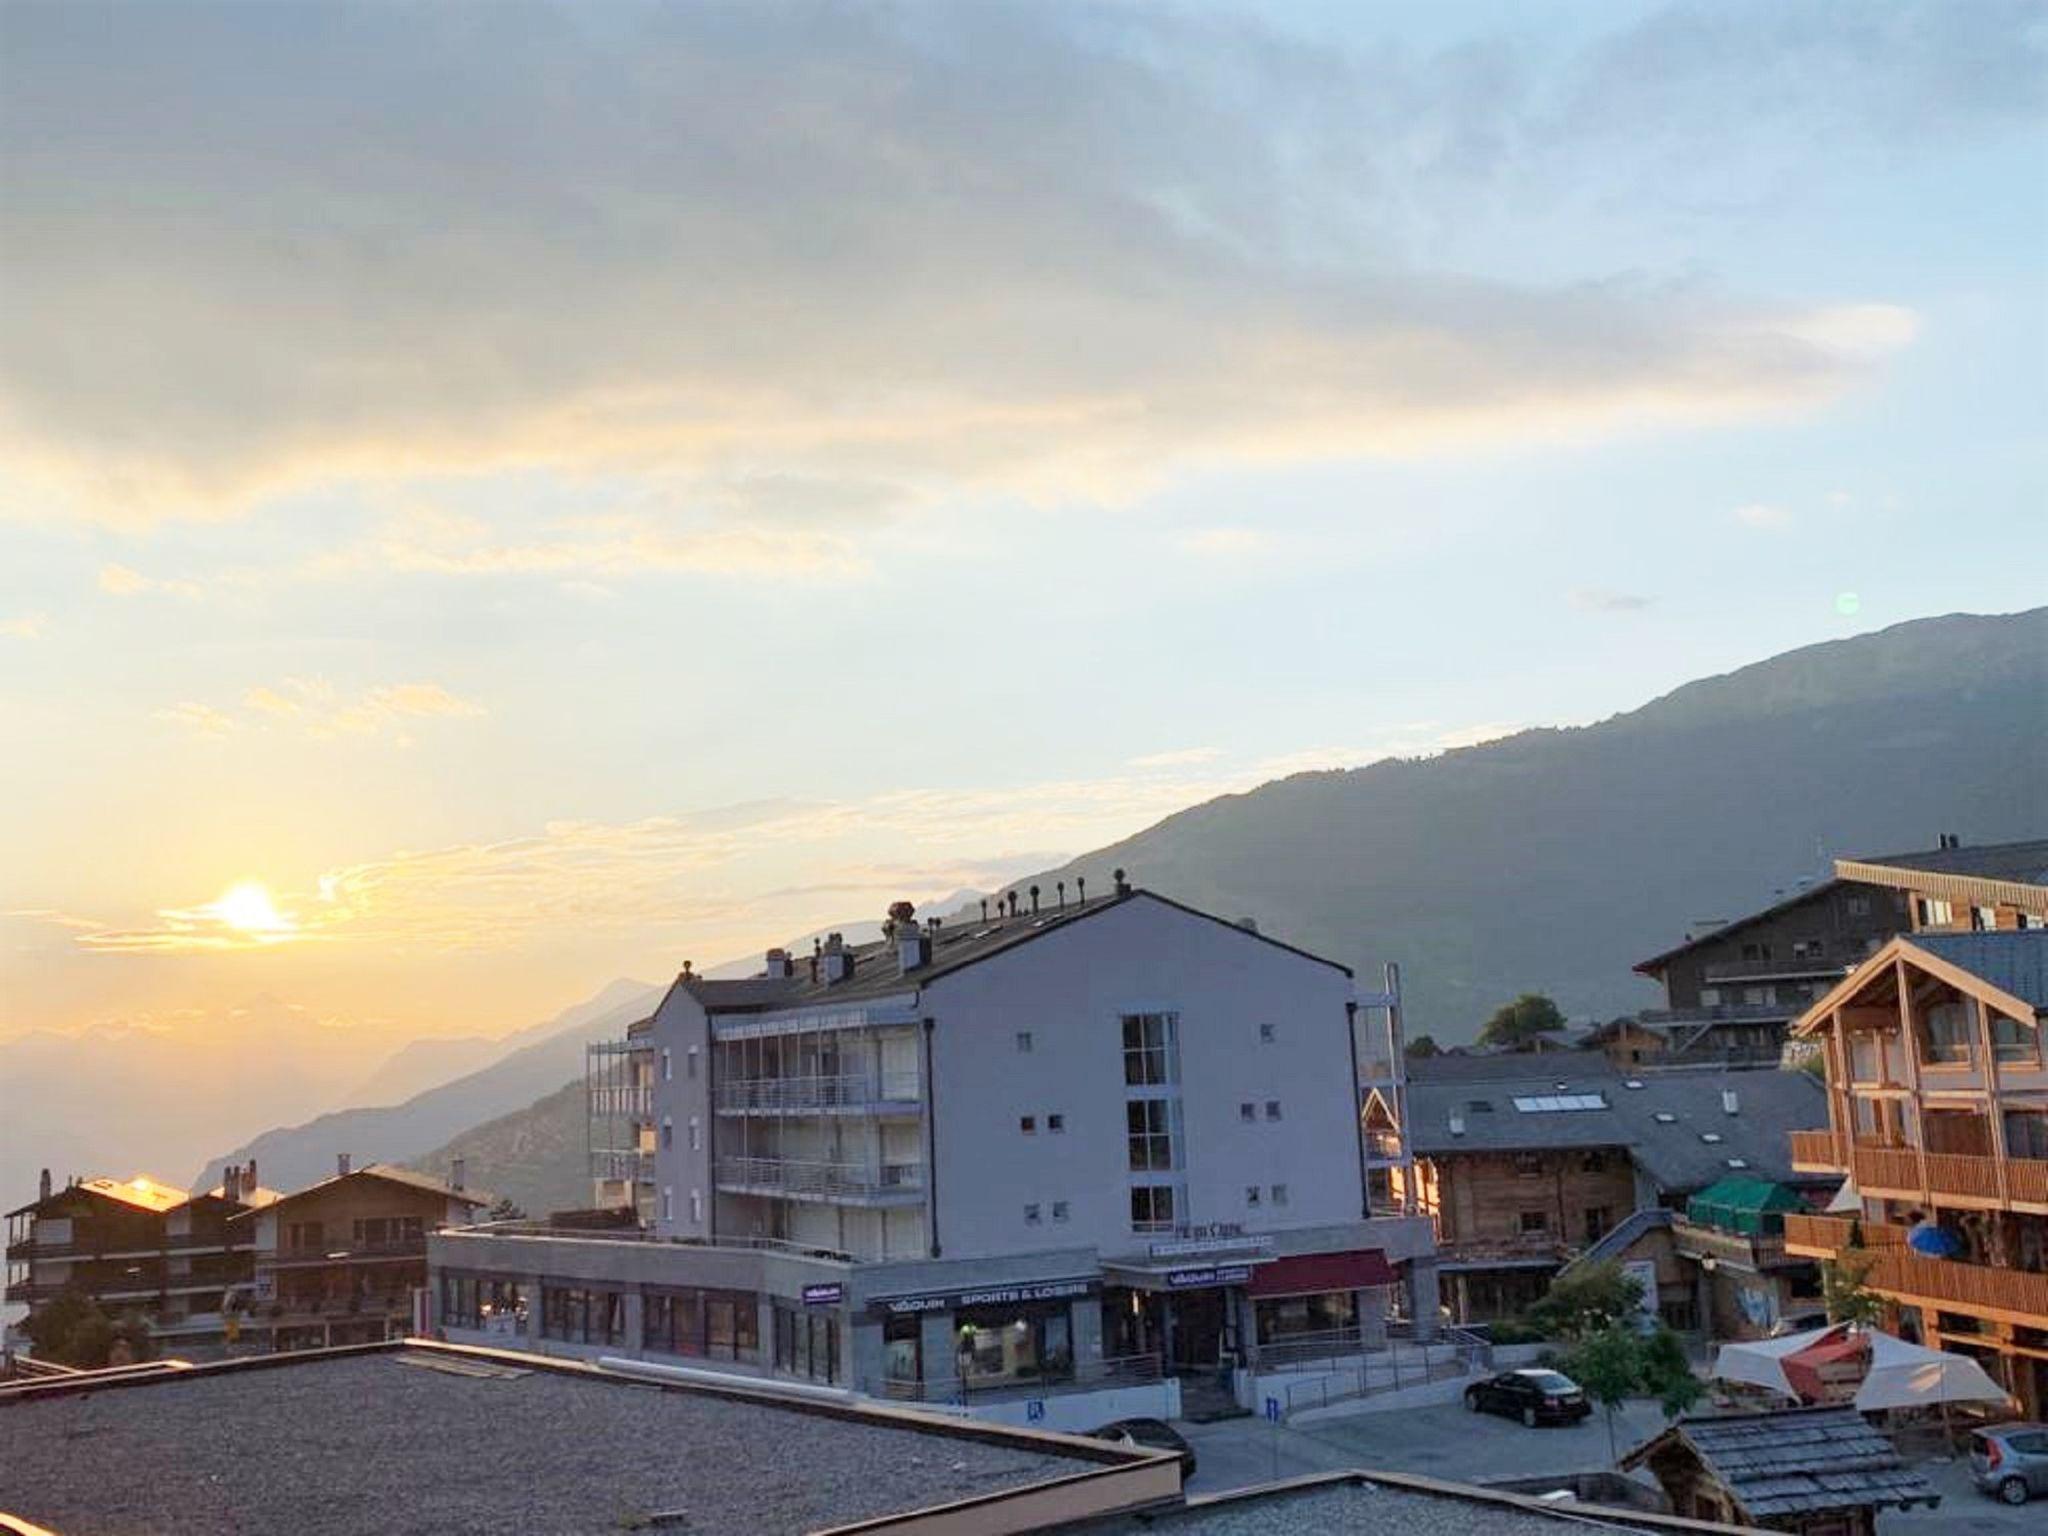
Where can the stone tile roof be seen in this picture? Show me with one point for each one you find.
(1798, 1462)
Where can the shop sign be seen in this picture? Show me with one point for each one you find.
(1222, 1237)
(1207, 1276)
(828, 1295)
(990, 1296)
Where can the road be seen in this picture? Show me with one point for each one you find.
(1450, 1443)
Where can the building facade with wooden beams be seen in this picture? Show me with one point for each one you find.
(1938, 1119)
(340, 1262)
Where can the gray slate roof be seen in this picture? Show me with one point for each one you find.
(876, 972)
(1769, 1106)
(2015, 962)
(1801, 1461)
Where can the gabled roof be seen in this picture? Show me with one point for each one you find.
(1803, 1461)
(424, 1182)
(954, 947)
(140, 1193)
(1663, 1124)
(2009, 969)
(1656, 964)
(2022, 863)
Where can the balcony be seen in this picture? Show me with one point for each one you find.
(1742, 1250)
(1525, 1251)
(1975, 1290)
(868, 1092)
(1818, 1152)
(1822, 1237)
(355, 1253)
(1797, 968)
(1725, 1013)
(1906, 1173)
(635, 1102)
(842, 1183)
(1384, 1149)
(629, 1167)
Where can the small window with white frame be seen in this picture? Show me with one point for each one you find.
(1059, 1210)
(1024, 1042)
(693, 1063)
(697, 1206)
(1279, 1194)
(1272, 1109)
(668, 1065)
(668, 1204)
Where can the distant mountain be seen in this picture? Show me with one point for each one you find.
(423, 1064)
(1553, 860)
(534, 1157)
(138, 1096)
(296, 1155)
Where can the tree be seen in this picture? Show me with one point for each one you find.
(1842, 1290)
(1423, 1046)
(1588, 1299)
(73, 1330)
(1519, 1023)
(1617, 1362)
(1608, 1365)
(504, 1210)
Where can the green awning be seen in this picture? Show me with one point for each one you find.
(1753, 1206)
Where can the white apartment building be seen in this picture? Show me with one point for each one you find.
(1068, 1153)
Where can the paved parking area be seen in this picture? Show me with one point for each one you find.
(1450, 1443)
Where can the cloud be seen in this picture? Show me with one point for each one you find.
(801, 265)
(1226, 543)
(315, 708)
(1607, 600)
(1179, 757)
(26, 626)
(121, 581)
(1763, 516)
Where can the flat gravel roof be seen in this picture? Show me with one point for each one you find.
(382, 1443)
(1348, 1508)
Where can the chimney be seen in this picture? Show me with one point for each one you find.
(43, 1186)
(913, 949)
(814, 970)
(1081, 889)
(341, 1164)
(1010, 901)
(779, 967)
(838, 963)
(1123, 886)
(688, 974)
(1730, 1104)
(249, 1177)
(1034, 898)
(231, 1184)
(1061, 887)
(455, 1172)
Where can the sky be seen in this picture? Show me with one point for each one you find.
(494, 498)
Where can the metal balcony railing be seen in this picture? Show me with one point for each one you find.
(820, 1180)
(849, 1090)
(613, 1163)
(623, 1102)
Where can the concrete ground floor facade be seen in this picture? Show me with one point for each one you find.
(1063, 1338)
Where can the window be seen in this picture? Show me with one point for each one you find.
(1149, 1133)
(806, 1342)
(303, 1237)
(1056, 1123)
(697, 1206)
(1059, 1210)
(1528, 1165)
(2013, 1041)
(668, 1133)
(1935, 914)
(1024, 1041)
(668, 1067)
(668, 1203)
(1251, 1194)
(580, 1315)
(1983, 919)
(1272, 1109)
(387, 1231)
(696, 1135)
(1809, 949)
(1945, 1033)
(1268, 1033)
(1534, 1222)
(1598, 1219)
(1031, 1215)
(1248, 1111)
(1279, 1194)
(1859, 906)
(1028, 1124)
(1710, 997)
(1559, 1103)
(1152, 1208)
(693, 1063)
(1150, 1055)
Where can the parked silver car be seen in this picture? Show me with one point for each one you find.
(2010, 1460)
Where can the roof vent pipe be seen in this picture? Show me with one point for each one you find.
(341, 1164)
(984, 909)
(43, 1186)
(456, 1170)
(1061, 887)
(1034, 898)
(1081, 889)
(1123, 886)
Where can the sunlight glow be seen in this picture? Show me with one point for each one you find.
(248, 907)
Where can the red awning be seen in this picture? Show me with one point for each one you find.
(1311, 1274)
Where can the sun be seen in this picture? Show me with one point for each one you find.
(247, 907)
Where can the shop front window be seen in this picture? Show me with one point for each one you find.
(577, 1315)
(999, 1346)
(806, 1342)
(1292, 1316)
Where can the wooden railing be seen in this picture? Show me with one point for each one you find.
(1830, 1234)
(1962, 1176)
(1817, 1149)
(1751, 1251)
(2009, 1294)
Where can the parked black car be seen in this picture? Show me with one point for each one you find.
(1153, 1435)
(1533, 1396)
